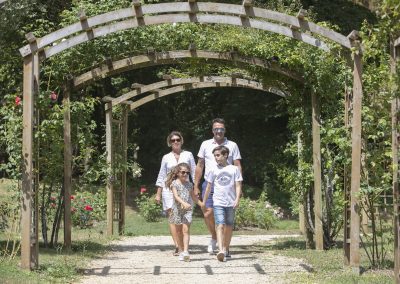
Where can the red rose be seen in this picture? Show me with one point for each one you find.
(88, 208)
(72, 197)
(143, 189)
(17, 101)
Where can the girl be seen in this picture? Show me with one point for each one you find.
(182, 209)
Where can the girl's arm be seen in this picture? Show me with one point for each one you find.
(185, 205)
(195, 198)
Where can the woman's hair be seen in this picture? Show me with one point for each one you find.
(173, 174)
(174, 133)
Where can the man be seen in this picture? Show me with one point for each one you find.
(206, 159)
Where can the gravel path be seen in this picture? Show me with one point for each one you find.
(149, 260)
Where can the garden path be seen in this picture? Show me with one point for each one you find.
(148, 259)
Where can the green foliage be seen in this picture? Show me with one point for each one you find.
(148, 208)
(254, 213)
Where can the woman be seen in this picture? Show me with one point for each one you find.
(168, 162)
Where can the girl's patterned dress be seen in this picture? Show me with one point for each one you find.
(179, 215)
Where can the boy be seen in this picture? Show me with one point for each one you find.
(227, 190)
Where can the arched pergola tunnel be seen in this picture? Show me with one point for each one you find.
(116, 196)
(214, 13)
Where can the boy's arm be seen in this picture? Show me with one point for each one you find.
(238, 188)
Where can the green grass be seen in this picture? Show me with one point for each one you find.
(326, 266)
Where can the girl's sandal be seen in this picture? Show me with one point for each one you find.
(176, 252)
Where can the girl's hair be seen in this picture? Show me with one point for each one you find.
(174, 133)
(173, 174)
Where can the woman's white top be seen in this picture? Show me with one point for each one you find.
(168, 162)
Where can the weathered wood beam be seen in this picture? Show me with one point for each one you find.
(395, 112)
(110, 165)
(316, 138)
(356, 156)
(167, 57)
(27, 164)
(67, 169)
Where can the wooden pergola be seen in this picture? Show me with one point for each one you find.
(244, 15)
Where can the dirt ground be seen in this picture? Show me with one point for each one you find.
(149, 259)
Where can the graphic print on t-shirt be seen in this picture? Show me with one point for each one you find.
(223, 179)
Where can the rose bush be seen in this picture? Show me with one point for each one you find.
(87, 207)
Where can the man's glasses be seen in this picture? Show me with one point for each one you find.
(184, 173)
(175, 140)
(219, 130)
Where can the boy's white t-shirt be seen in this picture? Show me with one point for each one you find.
(224, 179)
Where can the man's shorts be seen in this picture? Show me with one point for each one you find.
(224, 215)
(209, 201)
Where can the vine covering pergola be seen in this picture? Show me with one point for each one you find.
(245, 15)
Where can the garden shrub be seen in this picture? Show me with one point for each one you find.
(148, 208)
(254, 213)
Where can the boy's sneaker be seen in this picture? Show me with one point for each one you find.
(186, 256)
(221, 256)
(212, 246)
(228, 254)
(181, 256)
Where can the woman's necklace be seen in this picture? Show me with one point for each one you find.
(176, 155)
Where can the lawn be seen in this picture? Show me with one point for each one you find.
(327, 266)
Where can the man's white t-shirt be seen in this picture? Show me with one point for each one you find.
(208, 146)
(224, 179)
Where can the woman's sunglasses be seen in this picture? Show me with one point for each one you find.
(184, 173)
(175, 140)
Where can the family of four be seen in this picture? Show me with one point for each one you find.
(178, 187)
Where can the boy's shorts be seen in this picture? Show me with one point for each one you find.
(209, 202)
(224, 215)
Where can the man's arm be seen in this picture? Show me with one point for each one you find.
(197, 176)
(239, 165)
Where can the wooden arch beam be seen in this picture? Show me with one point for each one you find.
(223, 81)
(182, 12)
(170, 57)
(202, 85)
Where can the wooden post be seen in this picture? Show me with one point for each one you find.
(67, 169)
(27, 165)
(110, 180)
(364, 217)
(346, 188)
(302, 224)
(121, 226)
(35, 225)
(319, 232)
(356, 159)
(395, 161)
